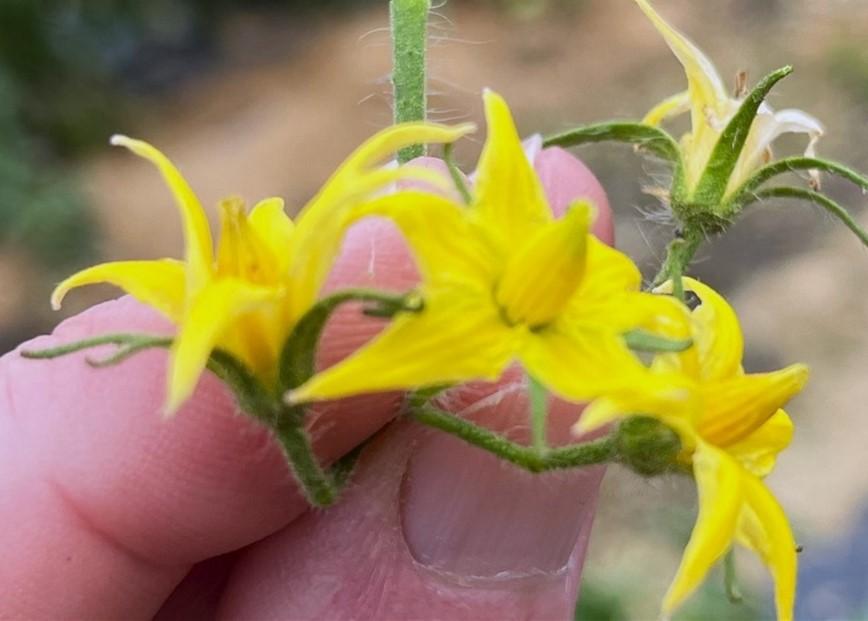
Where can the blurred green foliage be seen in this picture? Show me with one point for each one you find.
(67, 73)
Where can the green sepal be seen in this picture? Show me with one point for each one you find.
(456, 174)
(647, 446)
(795, 164)
(643, 341)
(711, 188)
(730, 578)
(652, 139)
(297, 358)
(818, 199)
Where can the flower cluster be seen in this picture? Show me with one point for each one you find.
(504, 281)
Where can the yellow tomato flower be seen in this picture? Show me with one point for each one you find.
(711, 108)
(267, 270)
(731, 435)
(503, 280)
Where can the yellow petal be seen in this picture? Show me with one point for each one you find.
(159, 284)
(716, 333)
(668, 108)
(541, 277)
(449, 247)
(758, 451)
(211, 312)
(321, 224)
(456, 338)
(608, 271)
(197, 235)
(763, 527)
(379, 147)
(670, 399)
(736, 407)
(706, 89)
(721, 489)
(271, 224)
(509, 195)
(579, 364)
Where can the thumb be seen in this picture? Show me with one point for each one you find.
(432, 528)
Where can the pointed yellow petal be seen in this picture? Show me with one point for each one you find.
(758, 451)
(608, 271)
(509, 195)
(669, 399)
(705, 87)
(211, 312)
(763, 527)
(159, 284)
(580, 365)
(720, 487)
(541, 277)
(449, 247)
(668, 108)
(456, 338)
(321, 224)
(197, 235)
(271, 224)
(716, 333)
(735, 408)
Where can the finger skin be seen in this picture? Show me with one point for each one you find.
(373, 557)
(111, 504)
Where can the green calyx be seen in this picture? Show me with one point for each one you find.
(647, 446)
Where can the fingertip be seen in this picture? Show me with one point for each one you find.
(566, 179)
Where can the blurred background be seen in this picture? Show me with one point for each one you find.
(265, 98)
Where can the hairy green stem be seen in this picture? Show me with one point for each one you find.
(409, 21)
(317, 484)
(527, 457)
(679, 254)
(818, 199)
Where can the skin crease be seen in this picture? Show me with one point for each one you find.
(106, 508)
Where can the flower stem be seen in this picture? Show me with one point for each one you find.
(527, 457)
(679, 254)
(409, 20)
(538, 414)
(318, 485)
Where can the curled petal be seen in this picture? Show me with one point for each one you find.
(209, 315)
(737, 407)
(197, 234)
(763, 527)
(455, 338)
(720, 483)
(768, 127)
(509, 195)
(159, 284)
(670, 107)
(758, 451)
(716, 333)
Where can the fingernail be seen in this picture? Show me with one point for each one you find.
(473, 515)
